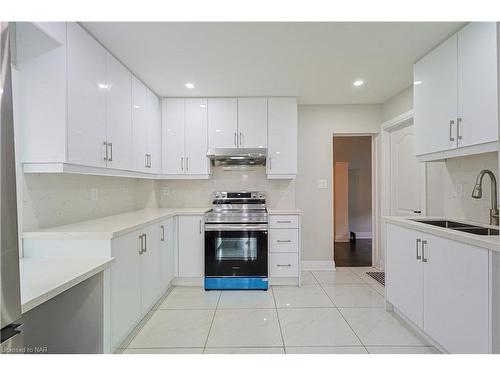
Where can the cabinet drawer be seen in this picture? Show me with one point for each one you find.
(283, 265)
(284, 221)
(283, 241)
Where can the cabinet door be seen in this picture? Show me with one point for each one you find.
(153, 119)
(125, 286)
(196, 136)
(404, 273)
(118, 114)
(252, 122)
(222, 123)
(167, 257)
(477, 84)
(86, 98)
(190, 246)
(435, 99)
(456, 295)
(282, 136)
(150, 268)
(140, 135)
(173, 136)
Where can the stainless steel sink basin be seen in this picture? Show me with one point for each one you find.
(462, 227)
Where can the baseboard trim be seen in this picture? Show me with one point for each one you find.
(364, 235)
(318, 265)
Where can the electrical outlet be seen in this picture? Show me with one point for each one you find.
(165, 191)
(94, 194)
(458, 191)
(283, 192)
(322, 184)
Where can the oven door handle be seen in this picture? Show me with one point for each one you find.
(234, 228)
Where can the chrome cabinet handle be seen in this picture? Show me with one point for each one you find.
(162, 232)
(424, 259)
(146, 160)
(105, 150)
(235, 139)
(284, 265)
(459, 135)
(241, 139)
(200, 226)
(187, 164)
(150, 162)
(270, 163)
(452, 138)
(141, 245)
(145, 243)
(284, 241)
(417, 242)
(182, 163)
(283, 221)
(110, 144)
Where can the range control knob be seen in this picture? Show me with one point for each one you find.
(217, 195)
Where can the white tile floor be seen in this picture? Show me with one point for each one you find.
(334, 312)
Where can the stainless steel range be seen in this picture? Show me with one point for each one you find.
(236, 241)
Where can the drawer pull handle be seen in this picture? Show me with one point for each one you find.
(424, 243)
(418, 241)
(284, 221)
(284, 241)
(284, 265)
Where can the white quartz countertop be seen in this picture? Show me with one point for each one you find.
(112, 226)
(44, 278)
(284, 211)
(488, 242)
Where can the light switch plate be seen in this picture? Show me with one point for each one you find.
(458, 190)
(94, 194)
(322, 184)
(165, 191)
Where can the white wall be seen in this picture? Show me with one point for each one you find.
(56, 199)
(398, 104)
(317, 124)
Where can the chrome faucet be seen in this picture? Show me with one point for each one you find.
(478, 193)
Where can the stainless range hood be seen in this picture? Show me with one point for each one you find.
(237, 156)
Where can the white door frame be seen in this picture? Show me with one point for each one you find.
(375, 192)
(405, 119)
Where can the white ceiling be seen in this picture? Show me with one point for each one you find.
(317, 62)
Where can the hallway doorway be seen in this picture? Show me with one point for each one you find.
(352, 197)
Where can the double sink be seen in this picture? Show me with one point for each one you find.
(461, 227)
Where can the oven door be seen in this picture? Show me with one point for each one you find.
(236, 250)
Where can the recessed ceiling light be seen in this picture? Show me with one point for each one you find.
(189, 85)
(417, 82)
(102, 85)
(203, 105)
(359, 82)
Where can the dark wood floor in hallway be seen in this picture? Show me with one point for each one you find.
(357, 254)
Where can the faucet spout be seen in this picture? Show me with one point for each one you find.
(478, 193)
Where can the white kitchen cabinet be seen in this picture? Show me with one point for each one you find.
(196, 162)
(150, 267)
(404, 272)
(282, 138)
(442, 286)
(435, 99)
(455, 95)
(252, 122)
(125, 290)
(118, 114)
(86, 75)
(456, 295)
(190, 246)
(167, 253)
(185, 137)
(222, 123)
(477, 84)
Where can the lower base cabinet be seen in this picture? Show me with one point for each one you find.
(442, 286)
(167, 253)
(190, 246)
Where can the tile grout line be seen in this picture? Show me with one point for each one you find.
(279, 322)
(343, 317)
(212, 323)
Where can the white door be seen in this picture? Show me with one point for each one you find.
(125, 286)
(282, 136)
(167, 258)
(222, 123)
(190, 246)
(435, 99)
(140, 128)
(477, 84)
(86, 98)
(150, 267)
(404, 273)
(153, 118)
(408, 175)
(118, 114)
(252, 122)
(173, 136)
(456, 295)
(196, 161)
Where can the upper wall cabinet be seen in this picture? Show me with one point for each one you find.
(185, 138)
(222, 123)
(455, 95)
(282, 138)
(252, 122)
(73, 106)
